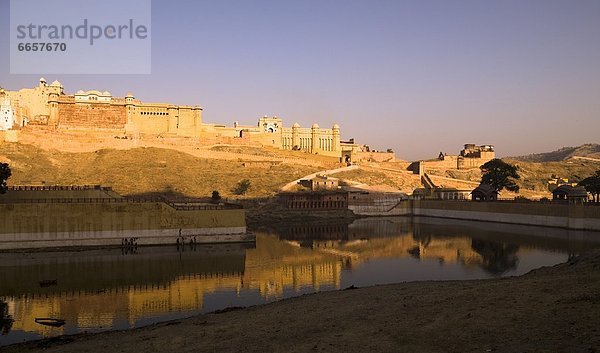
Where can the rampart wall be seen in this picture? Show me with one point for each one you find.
(577, 217)
(92, 116)
(376, 156)
(35, 225)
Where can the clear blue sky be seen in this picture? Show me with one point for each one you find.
(417, 76)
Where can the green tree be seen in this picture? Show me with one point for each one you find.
(592, 185)
(242, 187)
(500, 175)
(5, 173)
(216, 197)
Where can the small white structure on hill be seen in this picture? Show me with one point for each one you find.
(7, 114)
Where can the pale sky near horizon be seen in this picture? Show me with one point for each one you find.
(419, 77)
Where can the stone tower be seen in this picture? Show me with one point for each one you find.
(130, 112)
(336, 138)
(314, 134)
(295, 137)
(53, 105)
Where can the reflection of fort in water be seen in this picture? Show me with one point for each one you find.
(107, 288)
(96, 288)
(395, 238)
(489, 246)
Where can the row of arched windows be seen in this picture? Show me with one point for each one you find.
(316, 204)
(154, 113)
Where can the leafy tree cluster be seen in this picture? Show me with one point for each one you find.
(500, 175)
(5, 173)
(592, 185)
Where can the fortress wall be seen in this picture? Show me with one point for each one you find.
(487, 155)
(189, 122)
(19, 195)
(562, 216)
(69, 224)
(150, 124)
(266, 139)
(468, 163)
(157, 119)
(376, 156)
(93, 116)
(212, 130)
(573, 217)
(453, 162)
(75, 217)
(449, 162)
(330, 153)
(384, 206)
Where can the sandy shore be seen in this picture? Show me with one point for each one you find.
(548, 310)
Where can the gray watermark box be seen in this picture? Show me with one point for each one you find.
(80, 37)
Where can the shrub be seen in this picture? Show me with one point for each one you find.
(242, 187)
(216, 197)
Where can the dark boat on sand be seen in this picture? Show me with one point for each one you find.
(47, 321)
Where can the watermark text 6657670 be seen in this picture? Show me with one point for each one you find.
(63, 36)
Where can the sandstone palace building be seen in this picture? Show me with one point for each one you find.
(48, 105)
(93, 110)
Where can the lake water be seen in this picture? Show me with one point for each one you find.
(125, 288)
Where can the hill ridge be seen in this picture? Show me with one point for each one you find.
(588, 150)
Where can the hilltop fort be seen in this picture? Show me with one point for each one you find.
(48, 106)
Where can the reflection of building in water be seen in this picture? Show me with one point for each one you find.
(271, 282)
(101, 291)
(380, 227)
(25, 310)
(104, 308)
(309, 232)
(484, 248)
(356, 243)
(159, 283)
(275, 265)
(184, 294)
(447, 250)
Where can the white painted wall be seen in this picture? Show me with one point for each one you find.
(7, 115)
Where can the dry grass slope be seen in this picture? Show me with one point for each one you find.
(147, 170)
(402, 181)
(197, 173)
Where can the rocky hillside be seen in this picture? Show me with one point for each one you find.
(590, 150)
